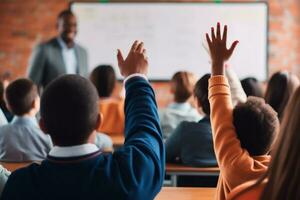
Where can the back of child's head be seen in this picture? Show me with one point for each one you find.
(104, 79)
(256, 125)
(69, 110)
(280, 88)
(201, 93)
(20, 96)
(252, 87)
(182, 84)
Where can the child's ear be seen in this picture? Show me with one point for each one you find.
(99, 121)
(36, 104)
(42, 125)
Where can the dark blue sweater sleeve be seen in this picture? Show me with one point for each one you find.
(140, 163)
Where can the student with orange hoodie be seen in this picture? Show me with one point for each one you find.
(242, 135)
(282, 179)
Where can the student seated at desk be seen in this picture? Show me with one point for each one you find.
(280, 88)
(75, 169)
(242, 135)
(191, 142)
(282, 178)
(182, 84)
(112, 108)
(22, 140)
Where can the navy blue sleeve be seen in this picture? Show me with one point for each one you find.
(139, 165)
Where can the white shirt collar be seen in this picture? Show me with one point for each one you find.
(73, 151)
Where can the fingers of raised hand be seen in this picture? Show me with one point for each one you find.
(134, 45)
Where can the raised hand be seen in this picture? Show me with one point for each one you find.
(218, 50)
(135, 62)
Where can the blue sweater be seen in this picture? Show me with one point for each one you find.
(135, 171)
(192, 144)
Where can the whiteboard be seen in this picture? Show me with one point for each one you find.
(174, 34)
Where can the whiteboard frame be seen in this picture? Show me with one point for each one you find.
(191, 2)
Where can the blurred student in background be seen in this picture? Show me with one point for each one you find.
(191, 142)
(252, 87)
(111, 107)
(282, 178)
(182, 84)
(280, 88)
(22, 140)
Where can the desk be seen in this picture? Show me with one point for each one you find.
(118, 140)
(175, 170)
(182, 193)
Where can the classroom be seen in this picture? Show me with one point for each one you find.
(149, 99)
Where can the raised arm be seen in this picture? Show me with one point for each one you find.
(139, 164)
(227, 145)
(237, 92)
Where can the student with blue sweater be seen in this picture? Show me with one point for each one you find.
(75, 168)
(191, 143)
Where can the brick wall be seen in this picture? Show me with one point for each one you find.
(24, 23)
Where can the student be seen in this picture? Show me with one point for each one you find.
(281, 86)
(112, 108)
(252, 87)
(22, 140)
(191, 142)
(282, 178)
(76, 169)
(182, 84)
(242, 135)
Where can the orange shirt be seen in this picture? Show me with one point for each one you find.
(235, 163)
(113, 121)
(247, 191)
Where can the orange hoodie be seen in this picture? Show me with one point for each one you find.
(236, 165)
(113, 121)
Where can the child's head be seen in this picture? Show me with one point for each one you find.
(283, 173)
(252, 87)
(182, 84)
(281, 86)
(22, 97)
(256, 125)
(104, 79)
(201, 93)
(69, 110)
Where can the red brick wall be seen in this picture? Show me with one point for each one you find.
(24, 23)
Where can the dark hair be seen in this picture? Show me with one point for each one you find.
(69, 109)
(183, 86)
(20, 95)
(252, 87)
(64, 13)
(201, 93)
(283, 172)
(280, 88)
(104, 79)
(256, 125)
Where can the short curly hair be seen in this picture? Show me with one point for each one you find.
(256, 125)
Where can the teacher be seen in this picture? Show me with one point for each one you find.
(60, 55)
